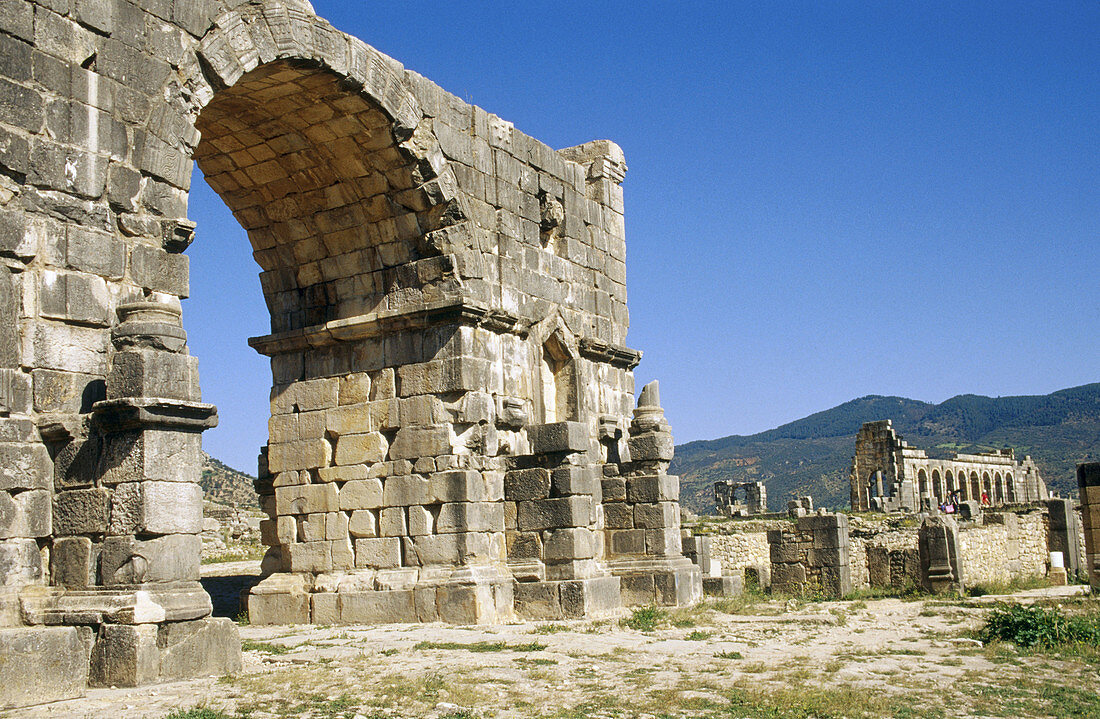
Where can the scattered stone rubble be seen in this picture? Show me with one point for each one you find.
(453, 433)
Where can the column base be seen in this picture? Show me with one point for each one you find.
(127, 604)
(727, 585)
(466, 595)
(568, 598)
(665, 582)
(135, 655)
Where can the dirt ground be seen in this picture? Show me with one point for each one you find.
(746, 657)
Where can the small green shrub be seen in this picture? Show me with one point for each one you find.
(198, 713)
(645, 619)
(1037, 627)
(729, 655)
(483, 646)
(268, 647)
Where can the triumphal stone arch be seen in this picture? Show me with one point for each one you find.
(453, 431)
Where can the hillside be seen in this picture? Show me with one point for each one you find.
(812, 455)
(221, 483)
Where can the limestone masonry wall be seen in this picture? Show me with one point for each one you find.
(739, 546)
(1011, 545)
(881, 553)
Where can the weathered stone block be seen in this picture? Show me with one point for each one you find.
(465, 486)
(155, 269)
(663, 542)
(160, 455)
(73, 297)
(20, 562)
(363, 523)
(377, 607)
(575, 511)
(618, 515)
(26, 514)
(405, 489)
(361, 494)
(525, 484)
(657, 515)
(414, 442)
(656, 488)
(307, 499)
(361, 448)
(651, 446)
(156, 508)
(279, 599)
(41, 664)
(378, 553)
(613, 489)
(558, 437)
(470, 517)
(573, 543)
(200, 648)
(303, 454)
(566, 481)
(80, 511)
(66, 392)
(448, 549)
(152, 373)
(71, 563)
(727, 585)
(310, 557)
(391, 522)
(788, 577)
(125, 560)
(25, 466)
(125, 655)
(627, 541)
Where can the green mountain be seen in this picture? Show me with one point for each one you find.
(813, 455)
(225, 485)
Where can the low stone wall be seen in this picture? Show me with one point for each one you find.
(882, 549)
(741, 544)
(886, 534)
(1006, 545)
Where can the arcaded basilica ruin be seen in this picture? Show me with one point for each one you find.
(888, 475)
(453, 431)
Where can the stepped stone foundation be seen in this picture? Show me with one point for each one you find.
(453, 433)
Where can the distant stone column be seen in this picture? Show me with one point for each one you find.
(940, 557)
(1088, 482)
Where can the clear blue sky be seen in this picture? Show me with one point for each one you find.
(824, 201)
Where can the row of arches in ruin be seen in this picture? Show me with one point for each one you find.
(998, 488)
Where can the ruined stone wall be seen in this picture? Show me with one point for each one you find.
(1000, 550)
(741, 546)
(866, 537)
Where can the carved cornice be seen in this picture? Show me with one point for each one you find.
(129, 413)
(615, 355)
(374, 324)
